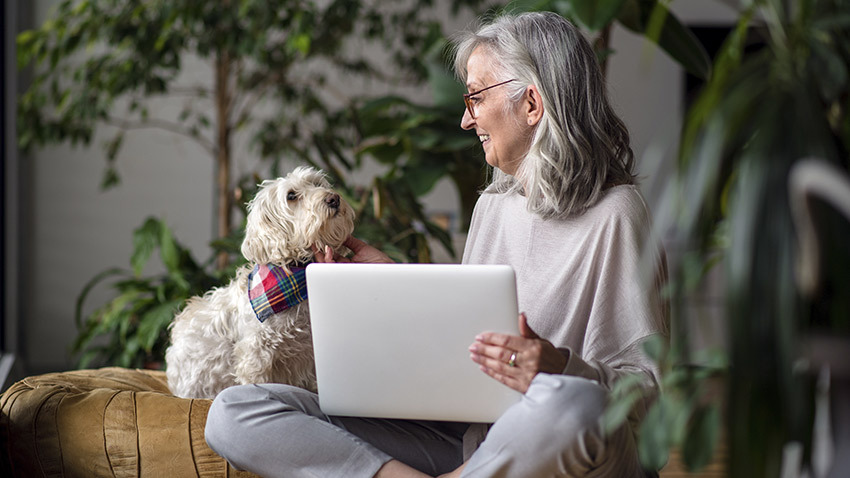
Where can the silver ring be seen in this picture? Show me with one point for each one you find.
(512, 361)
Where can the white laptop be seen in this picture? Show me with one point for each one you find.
(392, 340)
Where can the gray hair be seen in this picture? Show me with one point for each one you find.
(580, 146)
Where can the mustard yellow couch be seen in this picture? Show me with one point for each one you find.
(110, 422)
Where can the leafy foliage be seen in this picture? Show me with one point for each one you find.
(136, 321)
(649, 18)
(102, 63)
(687, 415)
(756, 118)
(423, 143)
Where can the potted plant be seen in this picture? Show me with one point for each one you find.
(756, 120)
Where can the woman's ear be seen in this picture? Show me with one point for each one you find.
(533, 105)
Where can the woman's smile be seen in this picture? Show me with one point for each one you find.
(499, 123)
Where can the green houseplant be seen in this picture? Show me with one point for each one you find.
(135, 322)
(92, 55)
(99, 62)
(758, 116)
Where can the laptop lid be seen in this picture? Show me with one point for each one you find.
(392, 340)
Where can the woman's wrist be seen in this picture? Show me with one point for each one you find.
(566, 353)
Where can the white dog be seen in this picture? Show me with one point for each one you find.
(227, 337)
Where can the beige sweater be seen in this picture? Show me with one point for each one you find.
(583, 281)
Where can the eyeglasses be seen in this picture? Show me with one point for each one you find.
(467, 97)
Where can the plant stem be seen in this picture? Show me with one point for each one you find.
(223, 102)
(164, 125)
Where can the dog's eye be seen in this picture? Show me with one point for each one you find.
(291, 196)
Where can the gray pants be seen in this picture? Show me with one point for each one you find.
(278, 430)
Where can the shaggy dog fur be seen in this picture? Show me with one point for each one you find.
(217, 340)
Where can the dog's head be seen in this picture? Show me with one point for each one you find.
(290, 214)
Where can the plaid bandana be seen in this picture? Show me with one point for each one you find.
(272, 289)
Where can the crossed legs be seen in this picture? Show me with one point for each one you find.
(555, 430)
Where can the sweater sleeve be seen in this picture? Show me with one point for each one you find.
(627, 306)
(631, 361)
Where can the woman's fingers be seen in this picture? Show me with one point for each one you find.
(515, 382)
(537, 354)
(364, 253)
(515, 360)
(503, 340)
(318, 254)
(326, 255)
(525, 329)
(354, 244)
(496, 366)
(495, 352)
(499, 361)
(506, 360)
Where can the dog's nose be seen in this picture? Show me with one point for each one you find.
(332, 201)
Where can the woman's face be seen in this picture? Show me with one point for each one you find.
(504, 132)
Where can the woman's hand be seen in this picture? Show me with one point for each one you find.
(515, 360)
(362, 253)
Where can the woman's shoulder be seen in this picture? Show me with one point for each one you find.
(619, 206)
(625, 199)
(494, 195)
(616, 204)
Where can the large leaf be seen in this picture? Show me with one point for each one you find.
(145, 240)
(594, 15)
(655, 434)
(655, 347)
(441, 235)
(658, 24)
(87, 288)
(698, 448)
(447, 92)
(662, 426)
(421, 176)
(168, 249)
(154, 323)
(625, 393)
(519, 6)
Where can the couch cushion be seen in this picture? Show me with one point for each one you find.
(101, 423)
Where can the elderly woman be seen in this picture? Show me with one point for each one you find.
(563, 210)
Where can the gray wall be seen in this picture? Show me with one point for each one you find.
(9, 331)
(72, 230)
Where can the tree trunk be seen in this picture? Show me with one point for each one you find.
(223, 104)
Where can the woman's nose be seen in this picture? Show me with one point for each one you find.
(467, 121)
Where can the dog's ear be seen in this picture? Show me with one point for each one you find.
(263, 239)
(261, 245)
